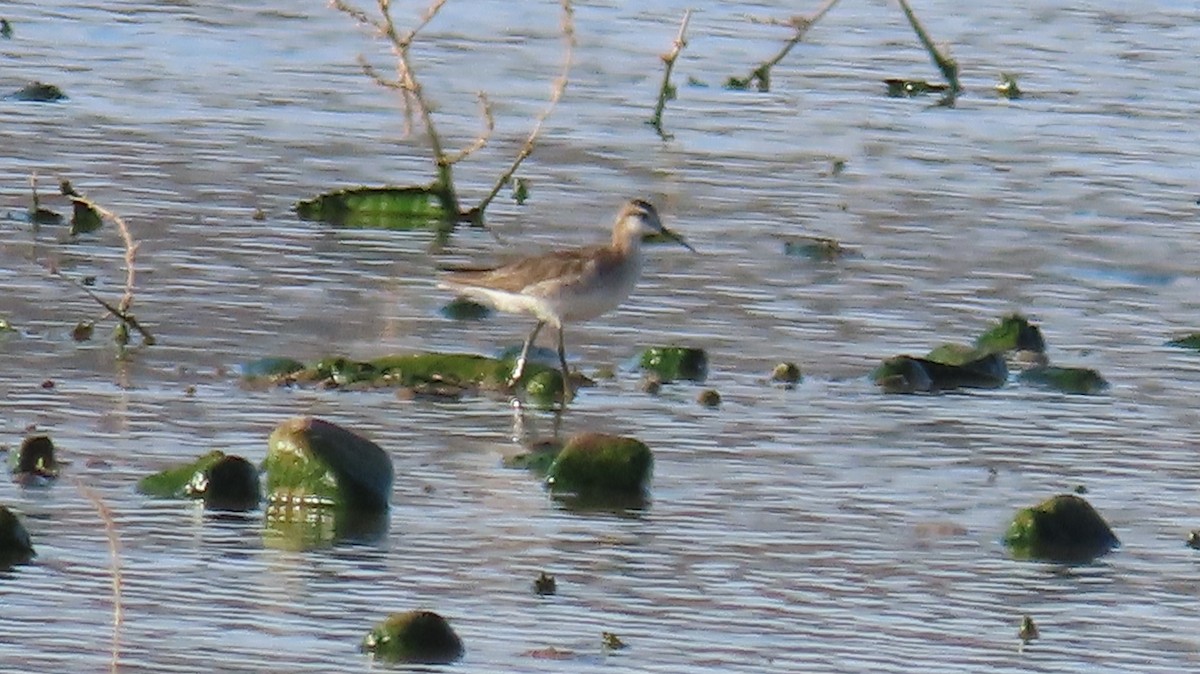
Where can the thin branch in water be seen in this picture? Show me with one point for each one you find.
(947, 65)
(760, 77)
(489, 125)
(667, 91)
(114, 555)
(560, 85)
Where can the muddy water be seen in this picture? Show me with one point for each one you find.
(827, 528)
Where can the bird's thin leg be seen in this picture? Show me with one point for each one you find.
(562, 360)
(519, 368)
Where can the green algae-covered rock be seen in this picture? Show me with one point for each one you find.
(955, 354)
(537, 460)
(786, 373)
(1191, 341)
(1013, 333)
(905, 374)
(1063, 528)
(1065, 379)
(173, 482)
(15, 545)
(229, 484)
(313, 461)
(593, 463)
(443, 374)
(34, 464)
(398, 208)
(672, 363)
(421, 637)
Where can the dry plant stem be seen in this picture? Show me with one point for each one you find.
(560, 85)
(948, 66)
(801, 24)
(114, 553)
(121, 311)
(669, 59)
(410, 87)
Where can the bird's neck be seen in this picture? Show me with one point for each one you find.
(627, 240)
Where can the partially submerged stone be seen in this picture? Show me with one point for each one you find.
(397, 208)
(1066, 379)
(15, 544)
(1064, 528)
(545, 584)
(787, 373)
(174, 482)
(537, 460)
(38, 92)
(445, 374)
(905, 374)
(673, 363)
(34, 464)
(1191, 341)
(597, 464)
(709, 398)
(229, 484)
(1014, 332)
(420, 637)
(315, 462)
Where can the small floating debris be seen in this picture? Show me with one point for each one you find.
(816, 248)
(545, 584)
(1028, 630)
(1007, 87)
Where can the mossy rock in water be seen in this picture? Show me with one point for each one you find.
(38, 92)
(229, 484)
(1013, 333)
(312, 461)
(597, 464)
(955, 354)
(174, 482)
(1191, 341)
(787, 373)
(1066, 379)
(15, 544)
(1064, 528)
(34, 464)
(672, 363)
(420, 637)
(537, 460)
(905, 374)
(397, 208)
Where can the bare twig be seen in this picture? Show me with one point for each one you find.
(489, 125)
(410, 87)
(666, 91)
(560, 85)
(947, 65)
(121, 311)
(114, 554)
(760, 77)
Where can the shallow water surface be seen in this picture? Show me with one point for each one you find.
(825, 528)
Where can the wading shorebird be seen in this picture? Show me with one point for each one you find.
(566, 286)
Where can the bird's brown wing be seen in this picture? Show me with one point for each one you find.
(561, 265)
